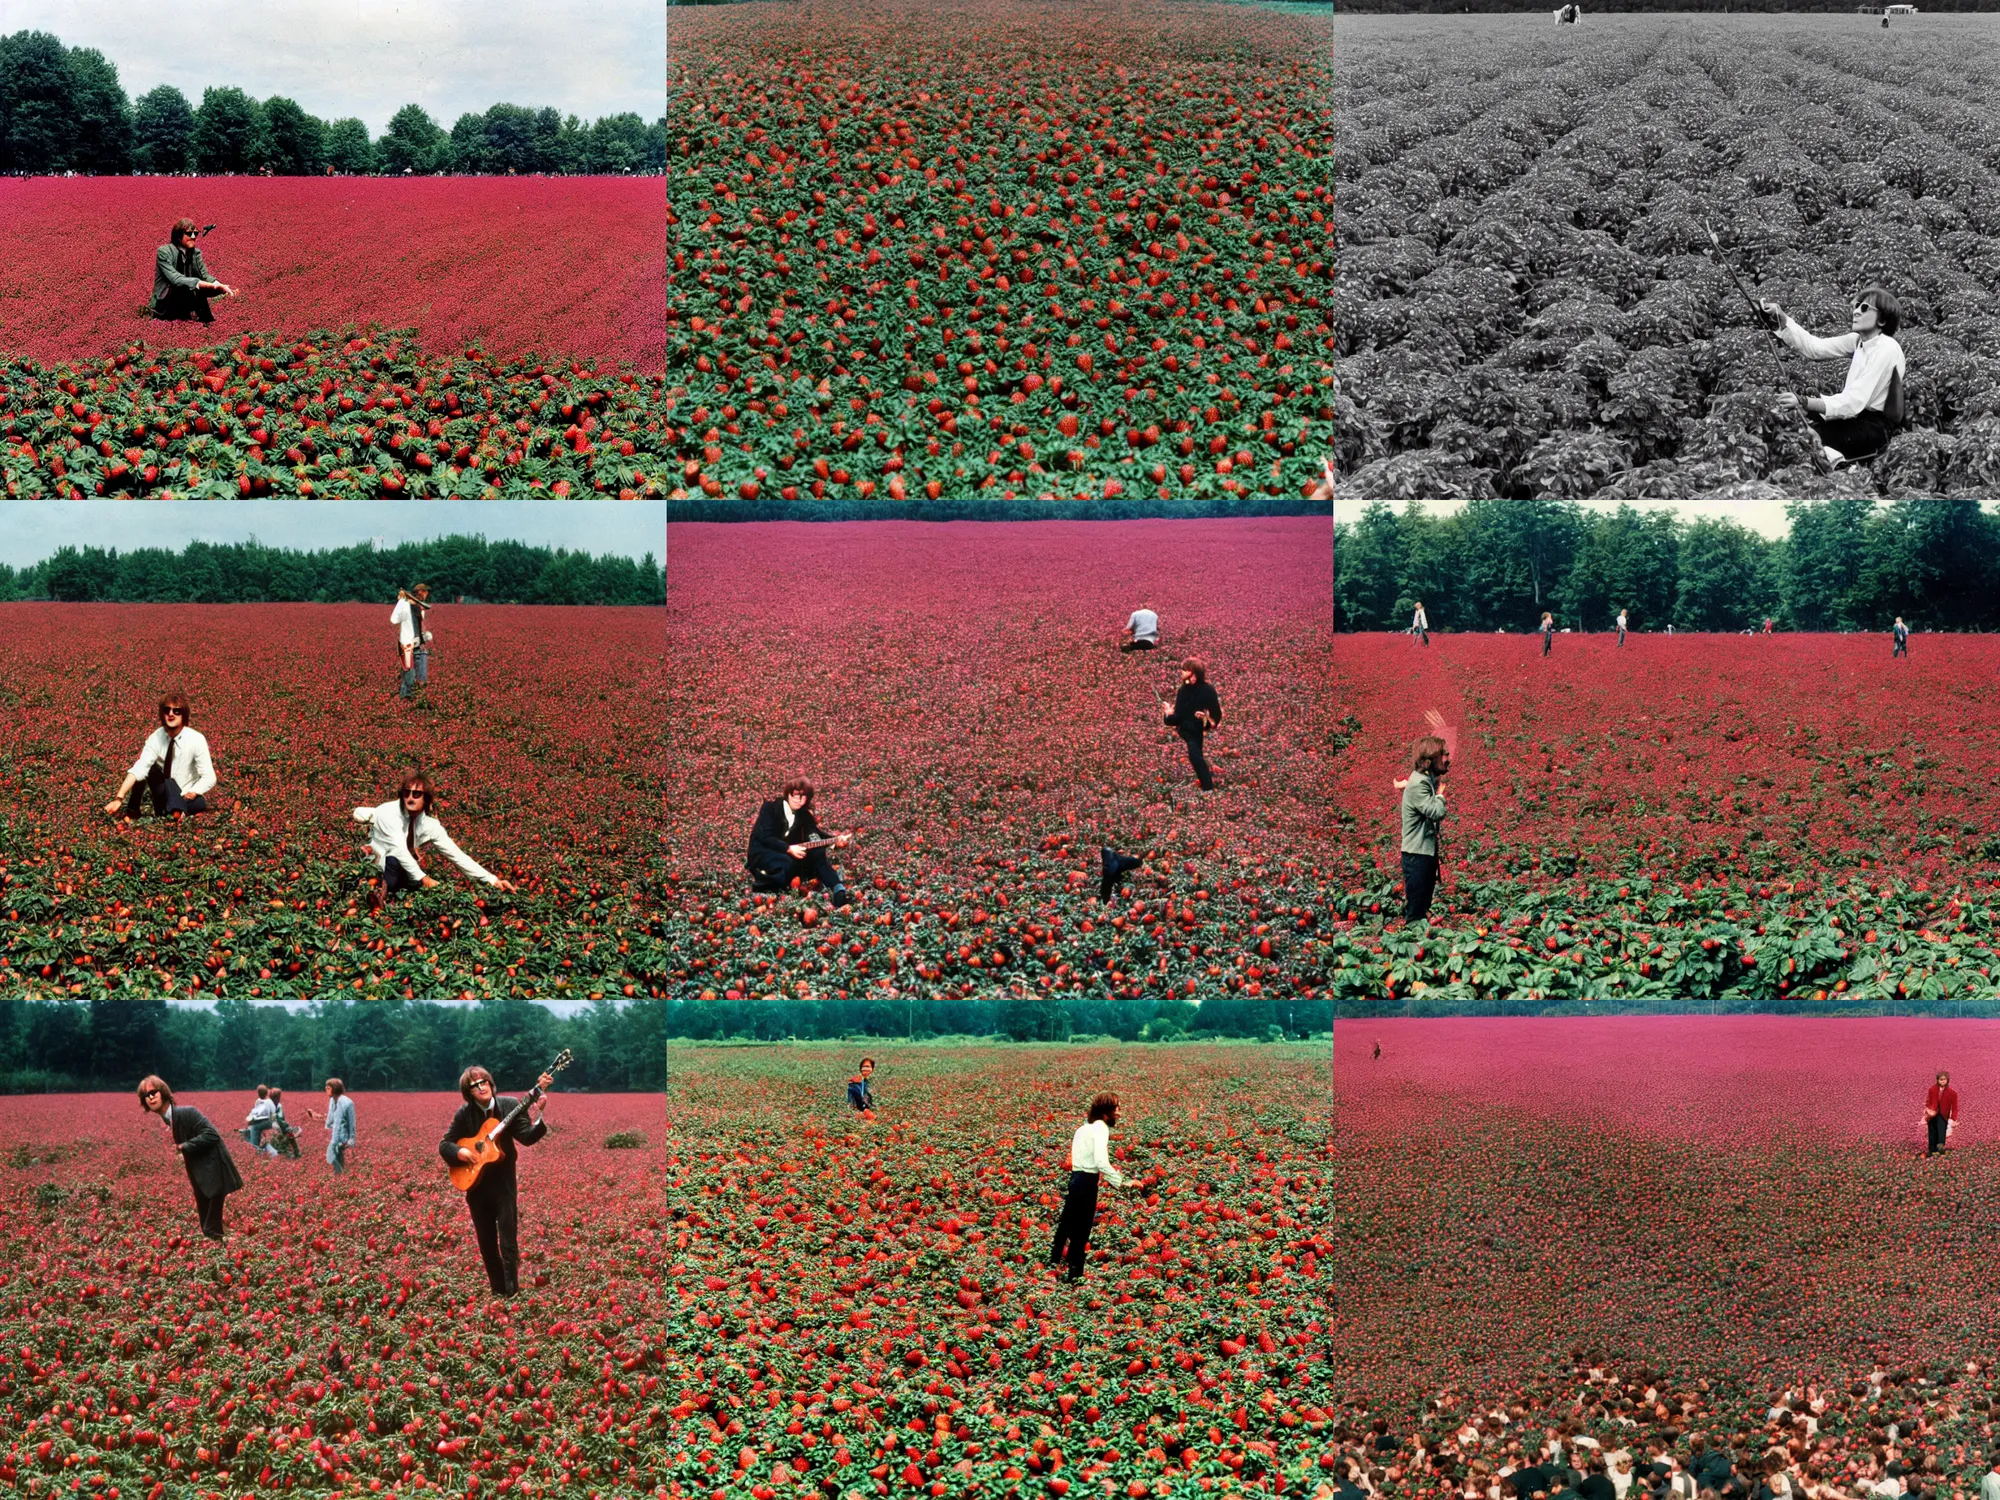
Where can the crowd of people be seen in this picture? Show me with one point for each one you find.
(1888, 1436)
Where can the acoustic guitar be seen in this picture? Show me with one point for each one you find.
(484, 1146)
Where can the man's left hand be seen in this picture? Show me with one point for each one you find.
(840, 840)
(1787, 400)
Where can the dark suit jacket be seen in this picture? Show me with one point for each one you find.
(467, 1122)
(174, 267)
(209, 1165)
(769, 841)
(1191, 698)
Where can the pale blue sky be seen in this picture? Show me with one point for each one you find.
(31, 530)
(369, 58)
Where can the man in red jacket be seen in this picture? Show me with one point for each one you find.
(1940, 1112)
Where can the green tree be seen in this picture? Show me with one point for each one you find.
(1365, 571)
(1719, 585)
(229, 132)
(163, 131)
(1625, 560)
(100, 114)
(125, 1037)
(1821, 587)
(618, 144)
(414, 143)
(348, 149)
(298, 140)
(37, 118)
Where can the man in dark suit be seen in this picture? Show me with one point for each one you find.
(491, 1200)
(778, 856)
(181, 283)
(210, 1168)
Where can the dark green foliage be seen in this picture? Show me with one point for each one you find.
(163, 131)
(66, 1045)
(230, 133)
(503, 572)
(413, 143)
(298, 140)
(1847, 565)
(37, 123)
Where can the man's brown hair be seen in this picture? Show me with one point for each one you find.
(181, 227)
(471, 1076)
(176, 700)
(335, 1087)
(1196, 665)
(1427, 754)
(154, 1081)
(798, 784)
(417, 781)
(1104, 1107)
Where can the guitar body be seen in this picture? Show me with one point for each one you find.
(485, 1151)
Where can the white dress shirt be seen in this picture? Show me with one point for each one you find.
(1090, 1151)
(1868, 370)
(404, 618)
(185, 752)
(385, 838)
(1144, 625)
(261, 1110)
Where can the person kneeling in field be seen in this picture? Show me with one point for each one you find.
(1858, 422)
(859, 1094)
(787, 844)
(394, 831)
(173, 768)
(181, 284)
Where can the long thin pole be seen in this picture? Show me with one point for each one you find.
(1756, 312)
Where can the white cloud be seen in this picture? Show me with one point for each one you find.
(368, 58)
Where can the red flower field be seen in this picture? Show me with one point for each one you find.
(1706, 1212)
(1008, 248)
(865, 1309)
(542, 726)
(1695, 817)
(955, 692)
(562, 266)
(343, 1339)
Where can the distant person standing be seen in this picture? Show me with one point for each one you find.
(1141, 632)
(1548, 629)
(339, 1124)
(1194, 711)
(1089, 1159)
(1423, 809)
(1767, 624)
(412, 639)
(211, 1171)
(1902, 633)
(1940, 1113)
(1420, 625)
(181, 283)
(1621, 627)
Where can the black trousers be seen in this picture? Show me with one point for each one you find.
(210, 1209)
(1139, 646)
(1420, 878)
(1854, 437)
(1191, 736)
(1938, 1129)
(1547, 637)
(1902, 648)
(165, 794)
(1114, 867)
(180, 303)
(1079, 1214)
(496, 1219)
(815, 866)
(397, 876)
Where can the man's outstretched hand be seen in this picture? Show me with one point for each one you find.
(217, 286)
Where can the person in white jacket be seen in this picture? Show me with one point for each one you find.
(173, 767)
(397, 828)
(1089, 1158)
(1858, 422)
(412, 639)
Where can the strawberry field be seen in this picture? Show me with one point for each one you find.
(1530, 303)
(264, 896)
(1756, 819)
(342, 1341)
(863, 1308)
(1654, 1228)
(1004, 249)
(956, 695)
(392, 340)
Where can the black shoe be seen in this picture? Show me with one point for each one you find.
(841, 895)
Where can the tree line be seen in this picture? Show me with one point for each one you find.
(455, 567)
(1590, 7)
(62, 109)
(1006, 1020)
(1497, 564)
(69, 1046)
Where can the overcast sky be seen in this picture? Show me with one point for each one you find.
(1764, 516)
(31, 530)
(369, 58)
